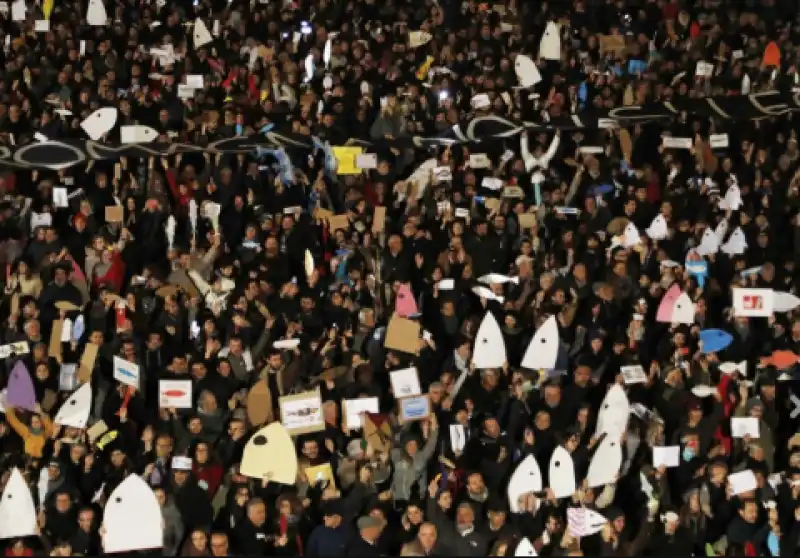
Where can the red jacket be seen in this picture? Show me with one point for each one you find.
(115, 275)
(211, 474)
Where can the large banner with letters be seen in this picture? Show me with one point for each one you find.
(62, 154)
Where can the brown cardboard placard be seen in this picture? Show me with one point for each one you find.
(378, 432)
(612, 43)
(321, 213)
(55, 339)
(402, 335)
(259, 404)
(309, 404)
(492, 204)
(379, 219)
(413, 408)
(96, 430)
(339, 222)
(114, 214)
(527, 220)
(513, 192)
(86, 365)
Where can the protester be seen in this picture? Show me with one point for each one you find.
(359, 279)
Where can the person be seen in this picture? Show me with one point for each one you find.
(503, 278)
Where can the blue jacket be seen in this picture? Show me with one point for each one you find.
(325, 542)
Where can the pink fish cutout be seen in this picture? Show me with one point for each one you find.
(667, 304)
(405, 305)
(77, 272)
(20, 388)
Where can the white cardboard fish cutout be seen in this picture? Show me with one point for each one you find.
(606, 463)
(562, 473)
(731, 367)
(490, 349)
(704, 391)
(200, 34)
(75, 410)
(17, 510)
(132, 518)
(542, 351)
(721, 230)
(527, 478)
(96, 15)
(584, 522)
(137, 134)
(550, 44)
(709, 244)
(309, 263)
(270, 454)
(497, 279)
(683, 311)
(631, 237)
(527, 73)
(736, 245)
(732, 199)
(99, 123)
(612, 419)
(658, 228)
(784, 302)
(525, 548)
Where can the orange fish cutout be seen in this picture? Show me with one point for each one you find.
(772, 55)
(781, 360)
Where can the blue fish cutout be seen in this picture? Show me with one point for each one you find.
(602, 189)
(286, 168)
(331, 165)
(698, 270)
(714, 340)
(583, 93)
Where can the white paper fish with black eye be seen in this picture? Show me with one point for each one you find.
(137, 134)
(527, 73)
(497, 279)
(684, 310)
(75, 410)
(658, 228)
(584, 522)
(490, 348)
(630, 237)
(200, 34)
(612, 419)
(100, 122)
(17, 510)
(525, 548)
(562, 473)
(732, 200)
(784, 302)
(542, 351)
(527, 478)
(482, 292)
(709, 243)
(606, 463)
(721, 230)
(731, 367)
(736, 244)
(96, 15)
(132, 503)
(550, 44)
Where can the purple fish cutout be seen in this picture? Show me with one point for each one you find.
(20, 388)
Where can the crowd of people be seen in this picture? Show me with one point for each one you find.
(566, 340)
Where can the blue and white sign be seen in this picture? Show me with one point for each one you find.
(698, 270)
(126, 372)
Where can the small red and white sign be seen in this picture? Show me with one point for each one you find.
(753, 303)
(175, 394)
